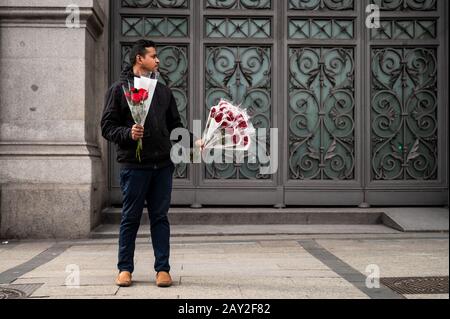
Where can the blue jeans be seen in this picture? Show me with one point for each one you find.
(155, 187)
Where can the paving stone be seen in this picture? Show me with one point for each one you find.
(403, 258)
(437, 296)
(220, 267)
(47, 290)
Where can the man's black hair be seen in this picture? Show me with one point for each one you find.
(140, 48)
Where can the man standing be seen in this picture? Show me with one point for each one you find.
(148, 180)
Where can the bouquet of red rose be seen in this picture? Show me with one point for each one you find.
(137, 99)
(228, 127)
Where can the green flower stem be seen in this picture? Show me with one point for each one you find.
(139, 149)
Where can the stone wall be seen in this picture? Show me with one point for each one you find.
(52, 84)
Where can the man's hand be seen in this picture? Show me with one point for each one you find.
(137, 132)
(199, 144)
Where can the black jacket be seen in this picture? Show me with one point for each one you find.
(162, 118)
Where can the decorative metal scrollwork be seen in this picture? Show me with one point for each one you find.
(335, 5)
(321, 114)
(321, 29)
(238, 4)
(174, 4)
(401, 5)
(241, 75)
(238, 28)
(174, 69)
(405, 30)
(154, 27)
(404, 114)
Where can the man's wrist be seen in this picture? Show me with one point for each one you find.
(130, 134)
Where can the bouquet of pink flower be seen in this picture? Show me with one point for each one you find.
(228, 126)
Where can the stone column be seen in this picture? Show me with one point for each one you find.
(52, 83)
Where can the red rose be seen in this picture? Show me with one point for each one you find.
(219, 118)
(225, 124)
(144, 94)
(246, 140)
(243, 125)
(236, 139)
(230, 116)
(136, 97)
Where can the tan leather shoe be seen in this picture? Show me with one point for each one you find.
(124, 279)
(163, 279)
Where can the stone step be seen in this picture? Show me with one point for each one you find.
(264, 216)
(112, 231)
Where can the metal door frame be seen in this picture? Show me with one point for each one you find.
(414, 193)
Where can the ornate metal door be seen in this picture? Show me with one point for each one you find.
(361, 112)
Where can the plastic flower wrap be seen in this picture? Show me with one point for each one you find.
(228, 127)
(139, 98)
